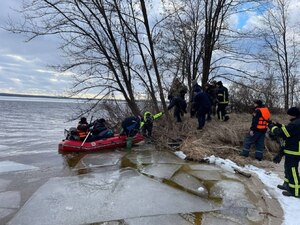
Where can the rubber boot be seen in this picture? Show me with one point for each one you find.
(283, 186)
(129, 143)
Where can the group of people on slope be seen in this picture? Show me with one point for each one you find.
(99, 129)
(213, 99)
(288, 137)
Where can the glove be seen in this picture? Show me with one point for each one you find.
(277, 158)
(278, 124)
(270, 125)
(251, 132)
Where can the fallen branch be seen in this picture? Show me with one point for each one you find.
(268, 213)
(245, 174)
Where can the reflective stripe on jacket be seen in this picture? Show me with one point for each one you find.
(291, 136)
(222, 95)
(262, 121)
(148, 115)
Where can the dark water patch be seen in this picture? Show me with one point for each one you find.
(125, 162)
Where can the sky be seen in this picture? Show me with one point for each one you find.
(25, 66)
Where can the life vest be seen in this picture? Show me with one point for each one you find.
(82, 133)
(262, 121)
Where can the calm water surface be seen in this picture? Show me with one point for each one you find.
(31, 129)
(33, 126)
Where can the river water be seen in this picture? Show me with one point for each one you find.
(38, 186)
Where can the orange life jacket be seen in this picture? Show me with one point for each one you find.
(262, 121)
(82, 134)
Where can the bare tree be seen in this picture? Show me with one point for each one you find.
(109, 44)
(202, 43)
(281, 49)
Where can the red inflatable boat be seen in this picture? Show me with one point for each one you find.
(117, 141)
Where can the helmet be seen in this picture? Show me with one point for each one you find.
(83, 120)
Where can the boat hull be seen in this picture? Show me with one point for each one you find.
(117, 141)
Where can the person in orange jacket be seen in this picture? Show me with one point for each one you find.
(83, 128)
(258, 129)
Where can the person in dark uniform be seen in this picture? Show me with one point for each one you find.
(202, 107)
(258, 129)
(291, 151)
(100, 130)
(211, 90)
(180, 106)
(131, 126)
(196, 88)
(223, 100)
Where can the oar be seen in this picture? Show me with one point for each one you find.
(85, 139)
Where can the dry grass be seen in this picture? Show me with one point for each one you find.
(223, 139)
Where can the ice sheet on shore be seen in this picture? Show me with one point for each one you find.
(99, 160)
(161, 219)
(151, 157)
(189, 182)
(10, 166)
(105, 197)
(10, 199)
(233, 193)
(9, 202)
(161, 170)
(3, 184)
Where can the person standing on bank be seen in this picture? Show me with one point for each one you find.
(257, 131)
(196, 88)
(223, 100)
(291, 151)
(202, 106)
(180, 106)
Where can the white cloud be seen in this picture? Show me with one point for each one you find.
(53, 80)
(44, 71)
(18, 58)
(16, 81)
(64, 74)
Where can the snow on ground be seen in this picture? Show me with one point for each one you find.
(290, 205)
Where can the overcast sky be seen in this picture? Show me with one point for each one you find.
(24, 67)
